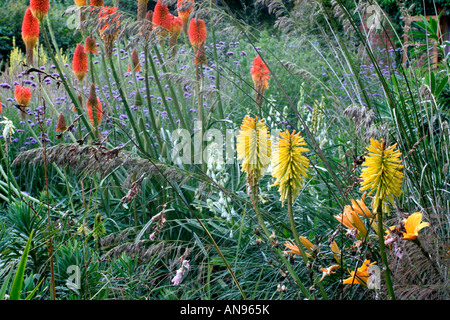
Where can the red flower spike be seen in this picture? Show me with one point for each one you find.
(22, 95)
(80, 63)
(260, 74)
(161, 15)
(30, 34)
(197, 32)
(39, 8)
(135, 60)
(90, 45)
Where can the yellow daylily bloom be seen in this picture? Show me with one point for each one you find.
(361, 275)
(351, 220)
(413, 225)
(360, 207)
(336, 251)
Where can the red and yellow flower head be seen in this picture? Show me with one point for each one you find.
(22, 95)
(260, 74)
(161, 15)
(30, 29)
(80, 63)
(39, 8)
(197, 32)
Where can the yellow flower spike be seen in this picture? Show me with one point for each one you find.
(361, 275)
(253, 147)
(413, 225)
(336, 251)
(382, 173)
(290, 166)
(360, 207)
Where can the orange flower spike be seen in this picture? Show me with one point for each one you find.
(200, 57)
(61, 125)
(80, 3)
(260, 74)
(39, 8)
(185, 8)
(90, 45)
(22, 95)
(109, 20)
(161, 15)
(80, 63)
(149, 16)
(197, 32)
(175, 26)
(30, 34)
(94, 105)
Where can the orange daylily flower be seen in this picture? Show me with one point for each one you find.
(361, 275)
(360, 207)
(305, 242)
(413, 225)
(328, 271)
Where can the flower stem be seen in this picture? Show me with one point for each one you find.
(387, 272)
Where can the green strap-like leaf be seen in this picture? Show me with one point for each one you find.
(18, 279)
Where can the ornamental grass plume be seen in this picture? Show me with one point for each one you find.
(290, 165)
(197, 33)
(39, 8)
(185, 8)
(260, 75)
(80, 63)
(361, 275)
(382, 173)
(30, 34)
(141, 9)
(94, 107)
(253, 147)
(90, 45)
(109, 23)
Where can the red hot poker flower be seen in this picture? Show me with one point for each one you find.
(22, 95)
(61, 125)
(135, 60)
(30, 34)
(90, 45)
(197, 32)
(80, 63)
(109, 20)
(161, 15)
(260, 74)
(39, 8)
(94, 105)
(184, 8)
